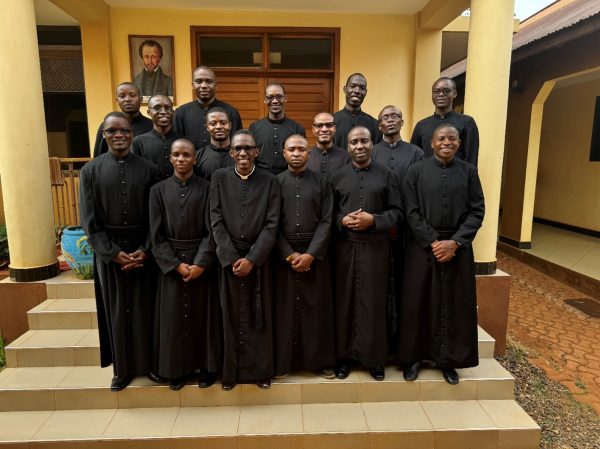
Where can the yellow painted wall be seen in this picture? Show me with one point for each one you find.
(380, 46)
(568, 184)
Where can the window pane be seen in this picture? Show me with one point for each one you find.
(242, 52)
(300, 53)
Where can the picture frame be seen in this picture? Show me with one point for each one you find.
(152, 64)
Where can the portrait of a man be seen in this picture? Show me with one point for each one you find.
(152, 64)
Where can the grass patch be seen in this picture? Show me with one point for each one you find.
(2, 355)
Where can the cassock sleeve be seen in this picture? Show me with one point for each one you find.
(205, 256)
(474, 217)
(420, 229)
(236, 121)
(471, 142)
(98, 238)
(320, 241)
(136, 147)
(98, 143)
(226, 252)
(392, 216)
(266, 239)
(164, 254)
(178, 124)
(155, 177)
(415, 139)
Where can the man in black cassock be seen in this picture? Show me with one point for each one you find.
(352, 115)
(190, 118)
(114, 190)
(155, 145)
(272, 131)
(443, 93)
(215, 155)
(304, 323)
(187, 328)
(443, 203)
(325, 157)
(244, 211)
(129, 101)
(367, 206)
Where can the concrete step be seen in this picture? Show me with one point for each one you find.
(62, 313)
(67, 286)
(369, 425)
(86, 387)
(81, 347)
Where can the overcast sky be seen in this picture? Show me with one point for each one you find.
(526, 8)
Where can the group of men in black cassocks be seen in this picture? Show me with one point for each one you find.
(247, 254)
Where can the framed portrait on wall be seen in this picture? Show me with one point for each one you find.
(152, 62)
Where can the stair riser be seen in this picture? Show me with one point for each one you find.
(71, 290)
(66, 356)
(62, 320)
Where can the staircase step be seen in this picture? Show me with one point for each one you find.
(66, 285)
(381, 425)
(64, 314)
(86, 387)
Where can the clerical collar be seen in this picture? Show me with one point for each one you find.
(183, 182)
(160, 136)
(280, 121)
(218, 149)
(445, 116)
(244, 177)
(390, 144)
(119, 159)
(362, 168)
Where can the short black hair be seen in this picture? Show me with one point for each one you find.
(275, 84)
(243, 132)
(360, 126)
(353, 75)
(127, 83)
(150, 43)
(218, 109)
(159, 95)
(446, 125)
(115, 114)
(295, 136)
(183, 139)
(445, 78)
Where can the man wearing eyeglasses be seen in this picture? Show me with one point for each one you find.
(443, 93)
(351, 114)
(190, 118)
(155, 145)
(272, 131)
(114, 192)
(326, 158)
(244, 212)
(129, 101)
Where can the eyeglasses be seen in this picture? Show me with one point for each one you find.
(113, 131)
(270, 98)
(159, 108)
(246, 148)
(392, 116)
(324, 125)
(445, 91)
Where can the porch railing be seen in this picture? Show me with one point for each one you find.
(64, 177)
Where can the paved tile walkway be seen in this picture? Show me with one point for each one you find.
(567, 340)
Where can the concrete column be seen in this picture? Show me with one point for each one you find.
(24, 149)
(428, 56)
(486, 99)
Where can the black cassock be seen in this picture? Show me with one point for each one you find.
(244, 217)
(211, 158)
(304, 323)
(157, 149)
(187, 319)
(114, 214)
(270, 136)
(190, 120)
(140, 125)
(327, 162)
(345, 120)
(467, 130)
(438, 317)
(363, 291)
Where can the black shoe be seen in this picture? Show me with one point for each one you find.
(265, 384)
(342, 370)
(155, 378)
(118, 383)
(377, 373)
(177, 384)
(206, 379)
(450, 376)
(228, 386)
(411, 372)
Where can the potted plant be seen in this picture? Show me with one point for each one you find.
(77, 252)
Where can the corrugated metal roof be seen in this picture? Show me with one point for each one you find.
(565, 17)
(62, 68)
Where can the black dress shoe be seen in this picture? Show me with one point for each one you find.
(377, 373)
(411, 372)
(265, 384)
(228, 386)
(118, 383)
(155, 378)
(177, 384)
(206, 379)
(342, 370)
(450, 376)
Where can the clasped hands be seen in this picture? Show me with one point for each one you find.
(242, 267)
(444, 250)
(189, 272)
(130, 261)
(300, 262)
(358, 220)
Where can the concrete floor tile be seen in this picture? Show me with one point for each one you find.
(20, 426)
(270, 419)
(142, 422)
(329, 418)
(206, 421)
(75, 424)
(396, 416)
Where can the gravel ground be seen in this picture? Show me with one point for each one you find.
(565, 423)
